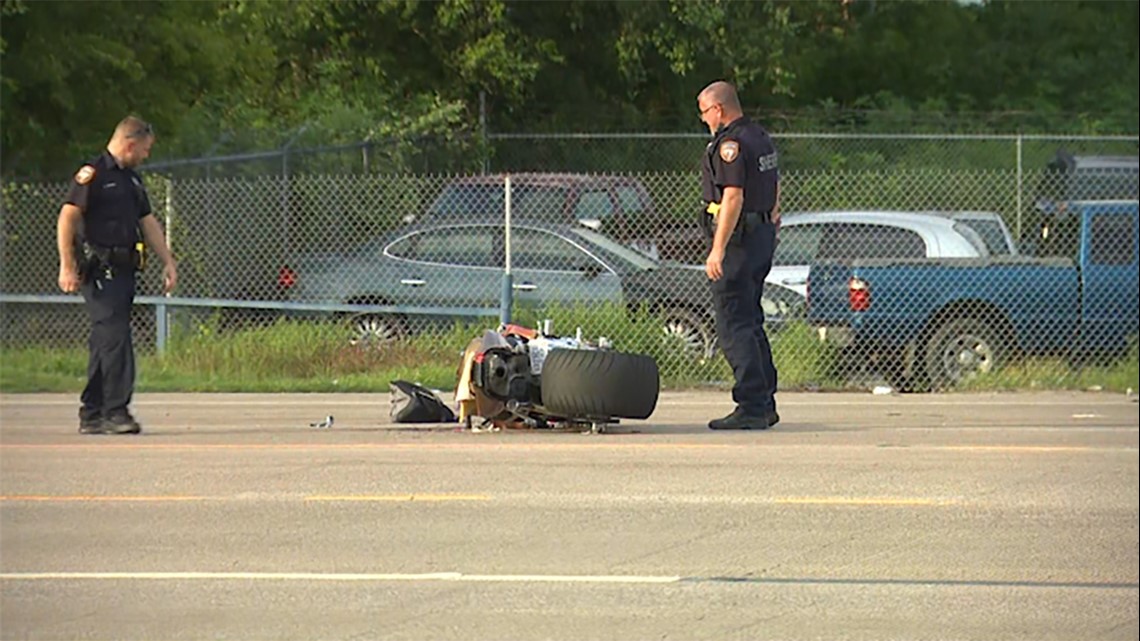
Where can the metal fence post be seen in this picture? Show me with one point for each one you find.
(161, 325)
(507, 294)
(1020, 186)
(285, 217)
(486, 163)
(161, 329)
(286, 196)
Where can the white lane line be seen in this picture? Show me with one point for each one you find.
(343, 577)
(564, 578)
(454, 577)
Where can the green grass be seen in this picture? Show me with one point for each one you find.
(294, 356)
(1059, 373)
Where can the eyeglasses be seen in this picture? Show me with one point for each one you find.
(706, 109)
(146, 131)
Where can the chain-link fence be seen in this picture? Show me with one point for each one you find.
(619, 254)
(467, 152)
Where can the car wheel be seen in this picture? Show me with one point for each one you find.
(375, 330)
(684, 327)
(580, 383)
(961, 350)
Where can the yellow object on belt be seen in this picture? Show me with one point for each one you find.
(713, 208)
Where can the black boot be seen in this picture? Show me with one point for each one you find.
(90, 421)
(121, 423)
(739, 420)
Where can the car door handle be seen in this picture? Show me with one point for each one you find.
(794, 281)
(412, 282)
(525, 287)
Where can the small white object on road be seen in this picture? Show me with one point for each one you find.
(327, 423)
(882, 389)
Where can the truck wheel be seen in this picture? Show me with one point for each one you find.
(600, 384)
(961, 350)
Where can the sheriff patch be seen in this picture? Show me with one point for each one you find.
(85, 174)
(729, 150)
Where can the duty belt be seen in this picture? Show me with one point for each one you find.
(120, 256)
(752, 217)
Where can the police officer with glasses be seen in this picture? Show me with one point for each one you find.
(740, 187)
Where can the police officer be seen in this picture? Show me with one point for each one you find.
(97, 233)
(740, 187)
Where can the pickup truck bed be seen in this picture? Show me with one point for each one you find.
(941, 321)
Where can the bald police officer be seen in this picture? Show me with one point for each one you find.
(97, 232)
(740, 185)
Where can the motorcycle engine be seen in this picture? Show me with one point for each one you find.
(506, 375)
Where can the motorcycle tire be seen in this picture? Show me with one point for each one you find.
(599, 384)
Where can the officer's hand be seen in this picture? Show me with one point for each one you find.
(169, 277)
(714, 264)
(68, 278)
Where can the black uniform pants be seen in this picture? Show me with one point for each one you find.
(111, 356)
(740, 318)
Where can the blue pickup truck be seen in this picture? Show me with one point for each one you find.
(933, 323)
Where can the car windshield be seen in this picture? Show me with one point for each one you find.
(632, 256)
(542, 202)
(991, 233)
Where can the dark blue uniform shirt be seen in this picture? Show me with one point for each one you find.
(113, 201)
(741, 155)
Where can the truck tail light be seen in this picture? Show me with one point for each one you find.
(858, 295)
(286, 277)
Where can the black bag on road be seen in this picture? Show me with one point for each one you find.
(413, 403)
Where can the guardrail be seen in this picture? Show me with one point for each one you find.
(162, 305)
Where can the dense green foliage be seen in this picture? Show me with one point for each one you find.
(238, 75)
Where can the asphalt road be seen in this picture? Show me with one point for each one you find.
(997, 516)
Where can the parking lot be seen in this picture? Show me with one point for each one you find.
(986, 516)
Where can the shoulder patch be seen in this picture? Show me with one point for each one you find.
(729, 150)
(85, 174)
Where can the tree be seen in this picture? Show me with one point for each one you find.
(72, 70)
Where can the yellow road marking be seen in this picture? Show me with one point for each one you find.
(33, 498)
(360, 446)
(398, 497)
(843, 500)
(314, 576)
(45, 498)
(1025, 448)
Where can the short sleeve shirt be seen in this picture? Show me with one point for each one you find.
(741, 155)
(113, 200)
